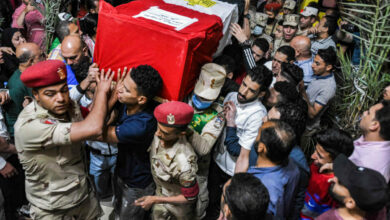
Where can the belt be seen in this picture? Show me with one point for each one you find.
(98, 152)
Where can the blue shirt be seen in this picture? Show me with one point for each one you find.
(305, 65)
(70, 77)
(135, 134)
(281, 182)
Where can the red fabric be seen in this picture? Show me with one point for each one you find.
(174, 113)
(178, 55)
(44, 73)
(272, 6)
(84, 111)
(317, 196)
(190, 192)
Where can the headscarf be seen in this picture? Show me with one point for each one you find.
(6, 38)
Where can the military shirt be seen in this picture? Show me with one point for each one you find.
(174, 168)
(54, 169)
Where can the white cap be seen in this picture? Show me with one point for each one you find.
(309, 11)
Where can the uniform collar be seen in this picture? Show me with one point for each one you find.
(44, 113)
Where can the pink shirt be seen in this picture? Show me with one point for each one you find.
(33, 20)
(372, 154)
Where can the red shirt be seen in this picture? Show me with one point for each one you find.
(317, 198)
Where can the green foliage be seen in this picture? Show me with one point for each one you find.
(50, 12)
(361, 86)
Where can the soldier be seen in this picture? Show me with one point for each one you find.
(48, 135)
(173, 163)
(206, 125)
(290, 27)
(272, 10)
(258, 22)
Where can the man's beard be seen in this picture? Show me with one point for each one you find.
(80, 69)
(339, 199)
(244, 100)
(270, 20)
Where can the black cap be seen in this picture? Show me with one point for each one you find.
(367, 187)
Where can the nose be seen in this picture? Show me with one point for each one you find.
(314, 156)
(69, 61)
(60, 97)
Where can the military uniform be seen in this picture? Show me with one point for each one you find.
(278, 43)
(56, 181)
(172, 169)
(206, 125)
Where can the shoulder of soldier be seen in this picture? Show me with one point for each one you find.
(185, 155)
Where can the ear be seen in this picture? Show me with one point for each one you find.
(230, 75)
(350, 203)
(374, 125)
(142, 100)
(261, 148)
(85, 51)
(329, 68)
(35, 94)
(262, 94)
(92, 11)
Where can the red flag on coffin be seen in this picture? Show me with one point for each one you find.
(176, 41)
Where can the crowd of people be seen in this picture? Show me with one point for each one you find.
(73, 140)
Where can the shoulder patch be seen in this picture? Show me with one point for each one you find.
(49, 121)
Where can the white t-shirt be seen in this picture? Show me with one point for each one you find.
(249, 118)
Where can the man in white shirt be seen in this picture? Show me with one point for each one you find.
(243, 112)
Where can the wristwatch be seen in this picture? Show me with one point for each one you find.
(248, 16)
(246, 43)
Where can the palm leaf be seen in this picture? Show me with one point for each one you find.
(361, 85)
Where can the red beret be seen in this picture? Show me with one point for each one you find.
(174, 113)
(272, 6)
(44, 73)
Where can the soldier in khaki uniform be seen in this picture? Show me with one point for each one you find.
(48, 135)
(258, 22)
(206, 125)
(290, 27)
(272, 10)
(173, 163)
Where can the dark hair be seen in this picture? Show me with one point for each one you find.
(90, 5)
(262, 44)
(288, 51)
(292, 72)
(287, 90)
(279, 141)
(62, 29)
(226, 62)
(331, 24)
(383, 116)
(247, 197)
(234, 51)
(328, 55)
(335, 142)
(262, 76)
(294, 115)
(148, 80)
(25, 56)
(88, 24)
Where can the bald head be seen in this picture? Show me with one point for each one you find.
(72, 48)
(71, 42)
(28, 54)
(302, 46)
